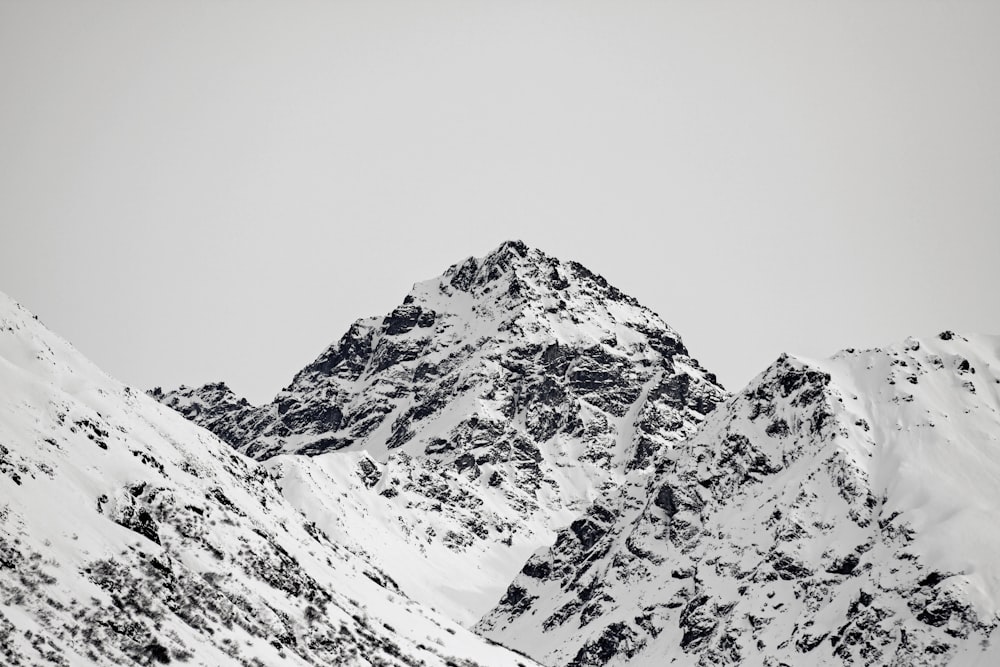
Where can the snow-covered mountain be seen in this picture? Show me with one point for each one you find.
(835, 512)
(451, 438)
(129, 535)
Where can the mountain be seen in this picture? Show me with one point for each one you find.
(835, 512)
(450, 439)
(131, 536)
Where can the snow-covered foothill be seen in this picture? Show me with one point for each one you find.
(129, 535)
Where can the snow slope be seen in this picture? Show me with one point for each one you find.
(129, 535)
(450, 439)
(835, 512)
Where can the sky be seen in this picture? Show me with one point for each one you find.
(199, 191)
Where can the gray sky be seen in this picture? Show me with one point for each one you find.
(193, 191)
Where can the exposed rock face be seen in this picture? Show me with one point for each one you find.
(130, 536)
(215, 407)
(496, 402)
(837, 513)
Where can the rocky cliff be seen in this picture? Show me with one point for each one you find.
(835, 512)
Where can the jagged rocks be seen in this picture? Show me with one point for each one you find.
(132, 513)
(787, 566)
(587, 532)
(405, 318)
(698, 620)
(369, 472)
(844, 565)
(618, 639)
(665, 500)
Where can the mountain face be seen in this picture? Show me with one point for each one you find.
(841, 512)
(129, 535)
(448, 440)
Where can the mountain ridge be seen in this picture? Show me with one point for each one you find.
(837, 511)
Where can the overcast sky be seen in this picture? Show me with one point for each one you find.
(193, 191)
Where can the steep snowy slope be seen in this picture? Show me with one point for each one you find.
(842, 512)
(129, 535)
(450, 438)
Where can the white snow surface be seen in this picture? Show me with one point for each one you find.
(129, 535)
(836, 512)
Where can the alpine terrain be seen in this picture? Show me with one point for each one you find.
(518, 450)
(450, 439)
(129, 535)
(835, 512)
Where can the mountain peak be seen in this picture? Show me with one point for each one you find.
(514, 248)
(474, 273)
(481, 413)
(511, 307)
(515, 281)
